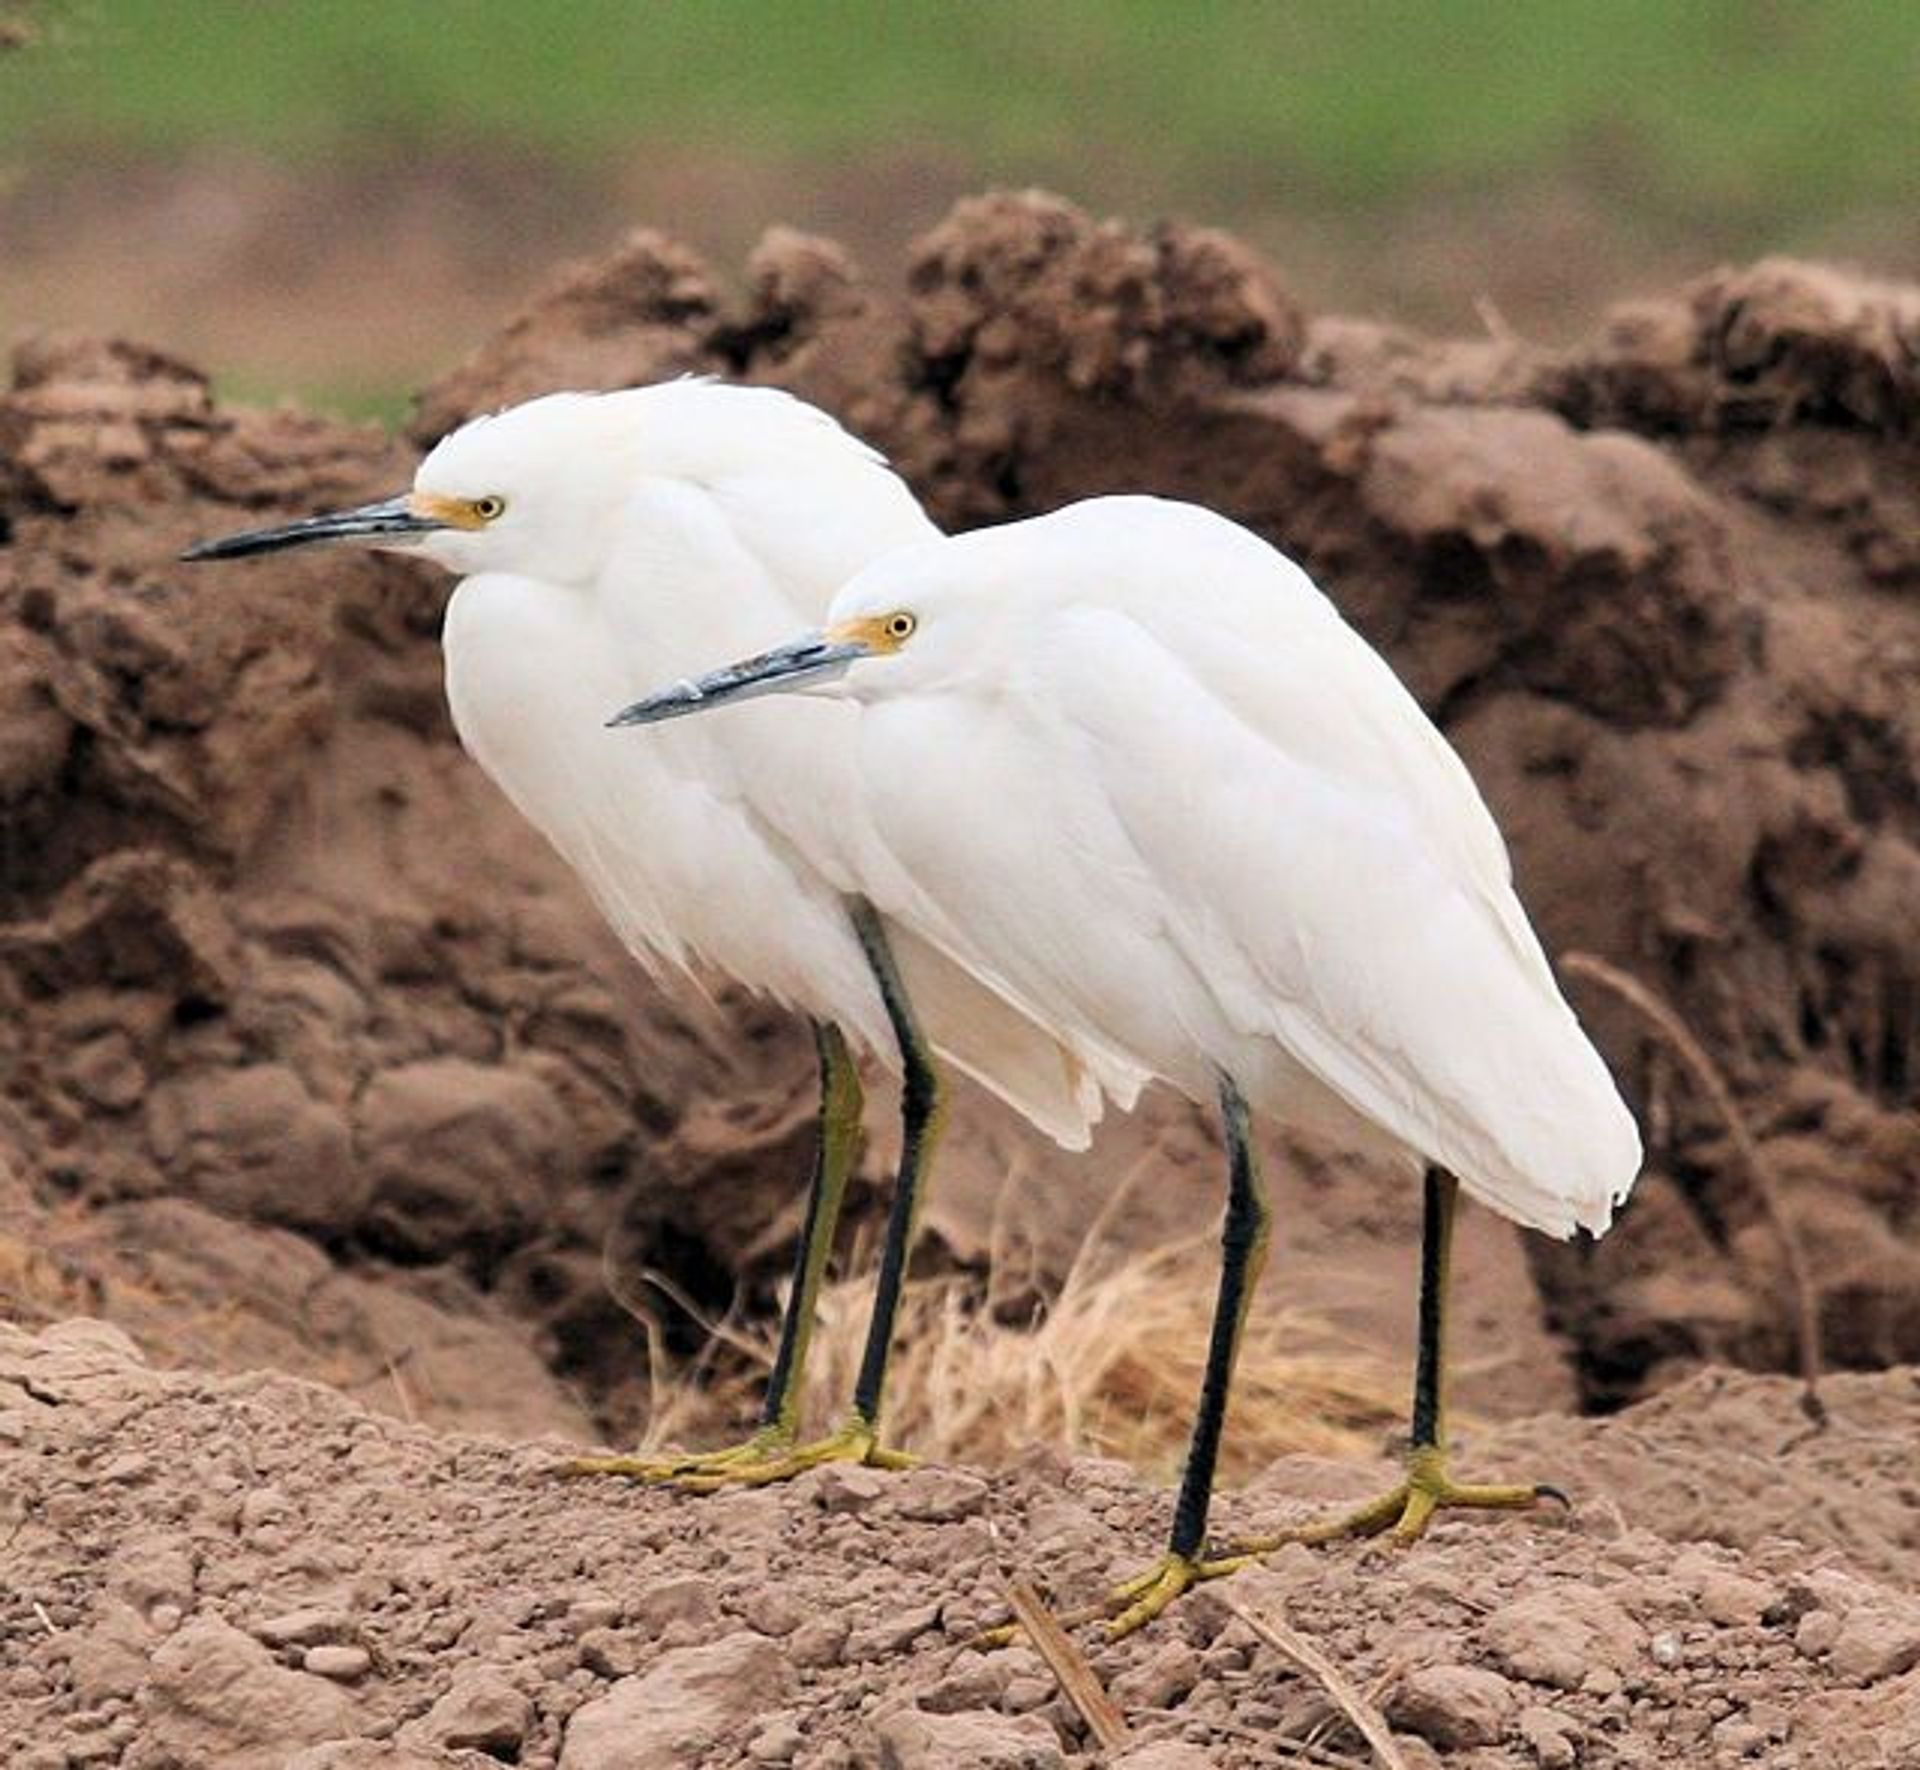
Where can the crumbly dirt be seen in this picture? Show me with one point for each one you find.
(253, 1571)
(311, 1057)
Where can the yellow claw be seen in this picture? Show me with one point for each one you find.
(1142, 1598)
(1133, 1603)
(769, 1456)
(767, 1443)
(1146, 1595)
(853, 1442)
(1406, 1510)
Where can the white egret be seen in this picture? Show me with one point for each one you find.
(606, 539)
(1135, 769)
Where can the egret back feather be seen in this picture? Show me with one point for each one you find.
(1209, 825)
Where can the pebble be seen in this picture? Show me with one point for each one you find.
(1558, 1636)
(1024, 1694)
(772, 1610)
(973, 1681)
(342, 1664)
(911, 1740)
(670, 1715)
(1166, 1676)
(1877, 1641)
(304, 1628)
(609, 1653)
(848, 1487)
(1816, 1633)
(1734, 1601)
(593, 1612)
(208, 1686)
(483, 1712)
(1551, 1736)
(689, 1599)
(819, 1643)
(892, 1634)
(778, 1741)
(939, 1496)
(1453, 1706)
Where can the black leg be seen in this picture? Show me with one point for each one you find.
(1243, 1252)
(832, 1163)
(1442, 1199)
(770, 1452)
(1406, 1510)
(1243, 1249)
(922, 1115)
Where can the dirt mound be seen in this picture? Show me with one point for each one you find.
(279, 961)
(1682, 662)
(253, 1571)
(249, 984)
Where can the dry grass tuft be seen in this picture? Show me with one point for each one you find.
(1110, 1366)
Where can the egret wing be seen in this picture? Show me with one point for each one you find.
(1007, 864)
(1259, 635)
(1325, 914)
(680, 869)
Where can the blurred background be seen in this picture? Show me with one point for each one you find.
(337, 199)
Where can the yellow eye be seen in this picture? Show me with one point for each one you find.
(489, 508)
(900, 627)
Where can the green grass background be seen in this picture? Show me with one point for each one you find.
(1767, 109)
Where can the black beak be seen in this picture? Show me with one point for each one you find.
(802, 663)
(392, 519)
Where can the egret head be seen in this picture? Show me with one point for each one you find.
(901, 626)
(534, 490)
(976, 614)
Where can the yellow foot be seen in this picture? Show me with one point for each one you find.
(1139, 1600)
(1136, 1602)
(767, 1443)
(854, 1442)
(1408, 1509)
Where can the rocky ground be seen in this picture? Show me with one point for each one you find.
(314, 1059)
(254, 1571)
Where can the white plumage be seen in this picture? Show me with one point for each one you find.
(606, 539)
(643, 530)
(1129, 765)
(1133, 798)
(1134, 768)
